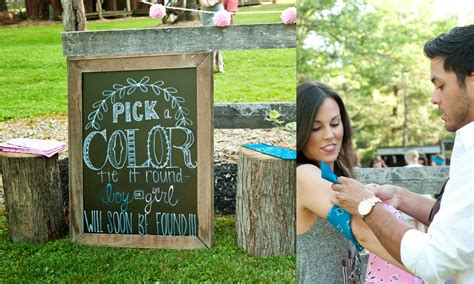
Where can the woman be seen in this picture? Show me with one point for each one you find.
(378, 162)
(324, 134)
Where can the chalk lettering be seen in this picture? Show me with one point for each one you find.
(150, 110)
(110, 176)
(155, 148)
(167, 114)
(119, 222)
(142, 224)
(156, 196)
(136, 116)
(185, 146)
(117, 108)
(117, 136)
(85, 149)
(121, 148)
(95, 224)
(112, 197)
(132, 159)
(164, 176)
(192, 224)
(174, 224)
(132, 111)
(132, 175)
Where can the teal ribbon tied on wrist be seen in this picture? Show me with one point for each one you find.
(339, 218)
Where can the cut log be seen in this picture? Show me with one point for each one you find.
(33, 197)
(265, 204)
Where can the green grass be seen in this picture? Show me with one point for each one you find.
(61, 261)
(33, 76)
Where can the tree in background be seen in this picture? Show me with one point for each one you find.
(3, 6)
(43, 7)
(372, 53)
(74, 15)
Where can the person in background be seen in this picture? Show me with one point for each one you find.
(422, 160)
(231, 6)
(411, 158)
(378, 162)
(206, 20)
(437, 160)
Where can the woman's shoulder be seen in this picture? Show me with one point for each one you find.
(308, 179)
(307, 168)
(308, 173)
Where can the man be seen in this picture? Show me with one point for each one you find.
(447, 249)
(411, 158)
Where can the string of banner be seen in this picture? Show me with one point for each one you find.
(221, 18)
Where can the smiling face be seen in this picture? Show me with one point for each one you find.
(325, 140)
(455, 103)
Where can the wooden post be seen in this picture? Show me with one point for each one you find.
(265, 204)
(33, 197)
(99, 9)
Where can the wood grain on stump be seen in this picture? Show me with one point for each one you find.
(265, 204)
(33, 197)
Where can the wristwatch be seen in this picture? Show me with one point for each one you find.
(366, 206)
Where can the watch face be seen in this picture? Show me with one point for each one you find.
(364, 207)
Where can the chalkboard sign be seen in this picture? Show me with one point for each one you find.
(140, 132)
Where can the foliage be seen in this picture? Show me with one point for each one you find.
(34, 76)
(3, 5)
(274, 115)
(62, 261)
(371, 52)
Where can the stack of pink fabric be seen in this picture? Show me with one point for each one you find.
(46, 148)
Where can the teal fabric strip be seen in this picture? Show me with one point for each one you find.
(274, 151)
(338, 217)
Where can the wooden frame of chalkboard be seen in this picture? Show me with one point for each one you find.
(116, 118)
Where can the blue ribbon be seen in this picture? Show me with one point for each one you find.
(339, 218)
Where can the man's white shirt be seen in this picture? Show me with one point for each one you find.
(447, 249)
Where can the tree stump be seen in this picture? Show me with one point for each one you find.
(265, 204)
(33, 197)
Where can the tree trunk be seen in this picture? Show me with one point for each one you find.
(74, 15)
(265, 204)
(3, 6)
(33, 197)
(43, 6)
(405, 118)
(191, 16)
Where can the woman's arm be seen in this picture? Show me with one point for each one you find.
(366, 238)
(315, 194)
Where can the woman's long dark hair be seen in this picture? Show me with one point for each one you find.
(310, 97)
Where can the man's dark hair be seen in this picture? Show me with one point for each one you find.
(456, 48)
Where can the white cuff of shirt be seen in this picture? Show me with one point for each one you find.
(412, 240)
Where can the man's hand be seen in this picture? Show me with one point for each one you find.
(387, 193)
(350, 194)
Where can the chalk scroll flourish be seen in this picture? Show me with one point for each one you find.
(121, 90)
